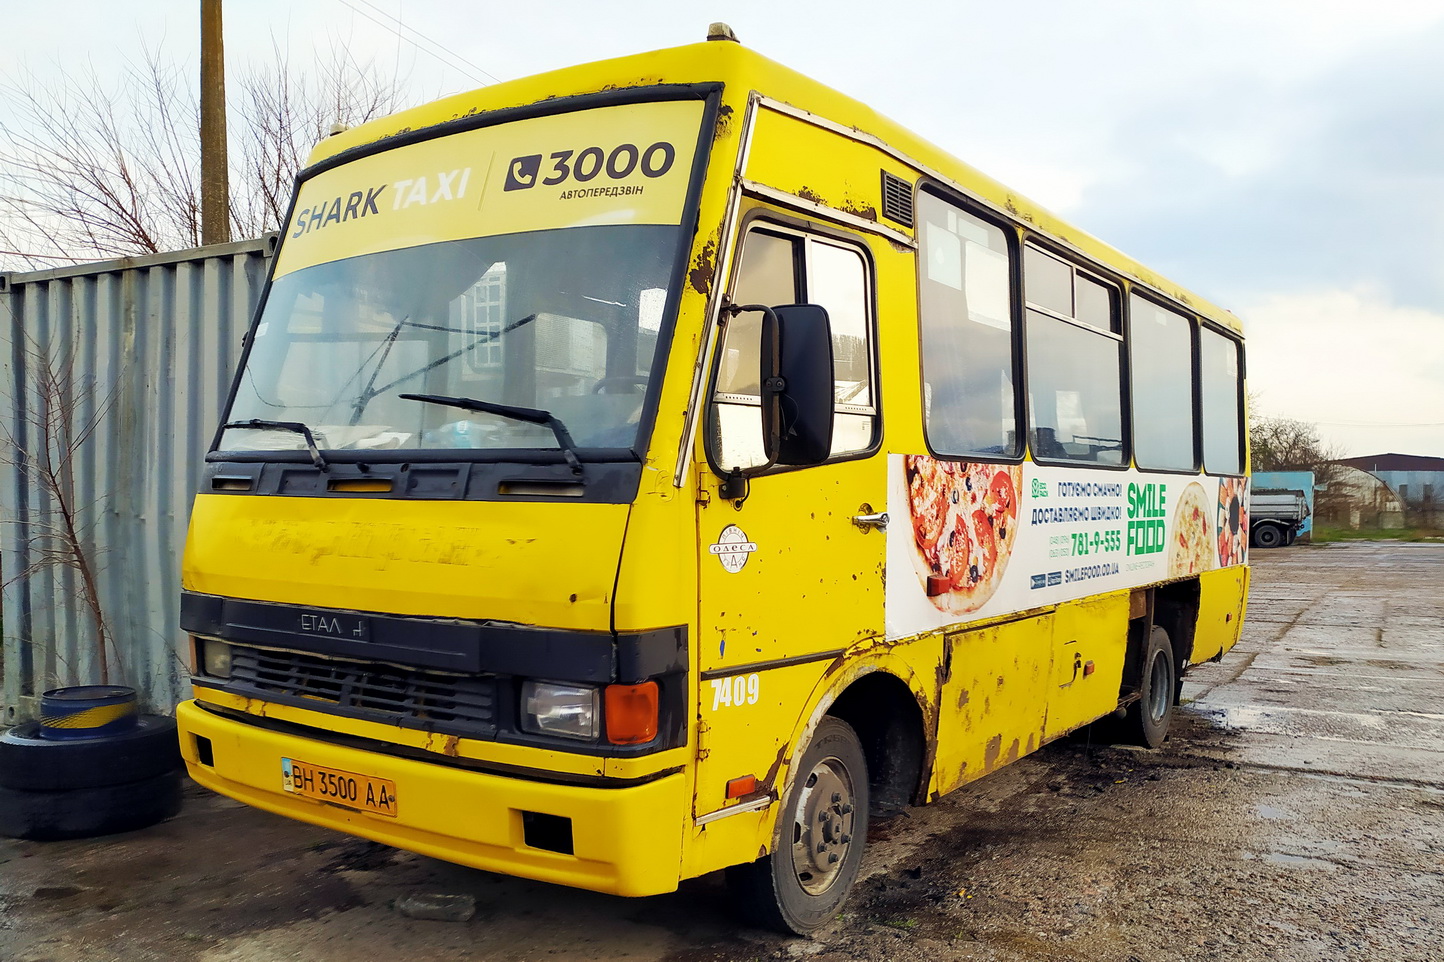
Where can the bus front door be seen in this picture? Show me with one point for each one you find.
(789, 576)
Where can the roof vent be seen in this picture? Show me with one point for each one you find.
(897, 199)
(720, 31)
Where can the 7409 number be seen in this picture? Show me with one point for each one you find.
(736, 691)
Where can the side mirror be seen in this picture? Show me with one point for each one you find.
(805, 402)
(796, 380)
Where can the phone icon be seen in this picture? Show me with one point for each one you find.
(521, 172)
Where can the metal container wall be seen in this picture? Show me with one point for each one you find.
(159, 337)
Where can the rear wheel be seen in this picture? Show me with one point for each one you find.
(1267, 536)
(803, 883)
(1148, 717)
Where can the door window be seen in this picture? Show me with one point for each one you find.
(780, 267)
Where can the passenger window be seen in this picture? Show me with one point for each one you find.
(1049, 282)
(1075, 363)
(1161, 362)
(1222, 424)
(965, 303)
(780, 267)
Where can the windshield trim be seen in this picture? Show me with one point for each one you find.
(658, 93)
(448, 455)
(710, 93)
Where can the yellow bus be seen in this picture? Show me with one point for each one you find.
(658, 466)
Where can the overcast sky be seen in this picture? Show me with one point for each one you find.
(1283, 158)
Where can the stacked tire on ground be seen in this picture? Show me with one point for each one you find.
(91, 765)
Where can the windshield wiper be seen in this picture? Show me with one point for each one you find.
(484, 337)
(364, 398)
(256, 424)
(530, 415)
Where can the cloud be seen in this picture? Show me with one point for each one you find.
(1251, 186)
(1367, 371)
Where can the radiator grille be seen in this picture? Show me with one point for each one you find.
(411, 698)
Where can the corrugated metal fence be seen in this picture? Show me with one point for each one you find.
(143, 350)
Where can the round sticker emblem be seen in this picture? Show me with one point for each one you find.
(732, 548)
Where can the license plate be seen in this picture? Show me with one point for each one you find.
(364, 792)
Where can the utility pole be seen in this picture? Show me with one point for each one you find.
(215, 180)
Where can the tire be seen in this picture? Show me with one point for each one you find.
(1267, 536)
(798, 889)
(31, 762)
(88, 812)
(1148, 718)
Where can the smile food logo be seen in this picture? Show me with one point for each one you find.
(732, 548)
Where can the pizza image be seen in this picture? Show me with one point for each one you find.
(964, 523)
(1232, 521)
(1191, 548)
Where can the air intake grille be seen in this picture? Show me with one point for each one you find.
(897, 199)
(431, 701)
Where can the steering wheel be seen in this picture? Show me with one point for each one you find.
(633, 381)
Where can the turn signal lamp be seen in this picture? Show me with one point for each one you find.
(631, 712)
(215, 658)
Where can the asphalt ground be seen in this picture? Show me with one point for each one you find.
(1295, 813)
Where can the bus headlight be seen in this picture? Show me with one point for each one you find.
(571, 711)
(215, 658)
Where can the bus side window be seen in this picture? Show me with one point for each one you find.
(965, 305)
(1161, 363)
(779, 267)
(1222, 424)
(1074, 350)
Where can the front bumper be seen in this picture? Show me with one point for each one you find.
(625, 841)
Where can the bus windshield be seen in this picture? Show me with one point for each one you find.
(520, 265)
(564, 320)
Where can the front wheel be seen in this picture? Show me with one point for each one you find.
(1148, 717)
(803, 883)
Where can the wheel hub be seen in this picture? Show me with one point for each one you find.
(822, 826)
(1158, 693)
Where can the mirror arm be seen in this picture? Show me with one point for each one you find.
(772, 384)
(734, 487)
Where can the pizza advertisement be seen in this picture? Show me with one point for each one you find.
(1232, 521)
(973, 540)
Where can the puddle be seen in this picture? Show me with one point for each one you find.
(1390, 665)
(1238, 716)
(1293, 860)
(1299, 861)
(56, 892)
(1324, 661)
(1271, 813)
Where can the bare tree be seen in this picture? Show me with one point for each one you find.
(1286, 444)
(104, 167)
(281, 114)
(59, 416)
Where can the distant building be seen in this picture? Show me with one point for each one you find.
(1417, 480)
